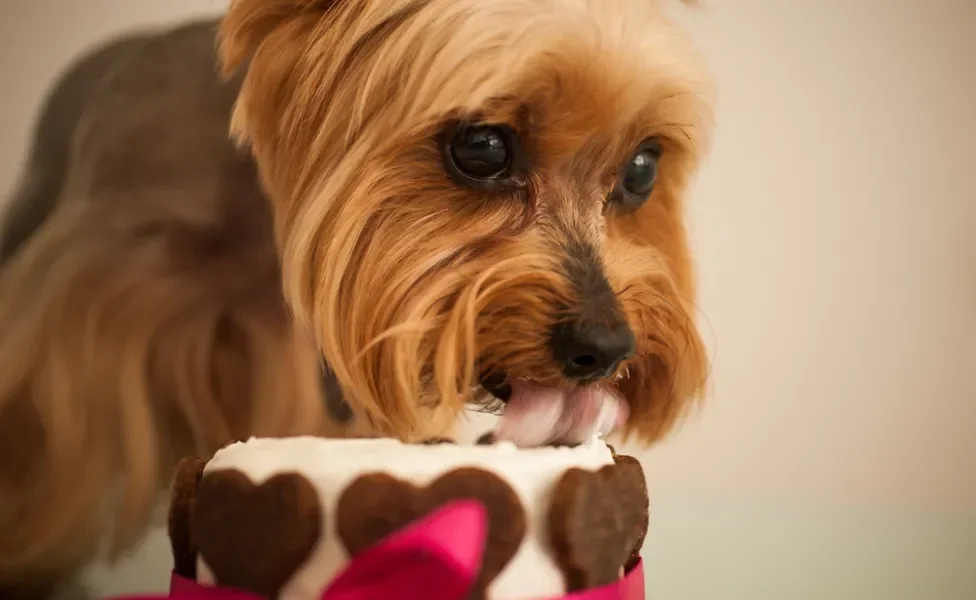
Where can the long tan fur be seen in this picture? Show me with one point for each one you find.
(140, 319)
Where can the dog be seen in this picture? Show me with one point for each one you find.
(356, 217)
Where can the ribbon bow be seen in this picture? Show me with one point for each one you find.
(437, 558)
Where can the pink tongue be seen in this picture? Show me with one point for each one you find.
(537, 415)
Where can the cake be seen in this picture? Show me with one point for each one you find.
(283, 517)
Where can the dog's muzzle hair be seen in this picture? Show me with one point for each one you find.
(457, 198)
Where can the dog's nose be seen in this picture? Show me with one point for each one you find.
(589, 351)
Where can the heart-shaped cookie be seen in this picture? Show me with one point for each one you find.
(597, 522)
(630, 486)
(183, 499)
(376, 505)
(254, 537)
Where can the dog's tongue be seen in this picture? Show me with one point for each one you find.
(537, 415)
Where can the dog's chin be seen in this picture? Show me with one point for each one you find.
(536, 414)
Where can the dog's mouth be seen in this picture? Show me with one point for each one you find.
(538, 415)
(497, 386)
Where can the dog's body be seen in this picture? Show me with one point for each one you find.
(142, 313)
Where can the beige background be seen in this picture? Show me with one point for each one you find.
(836, 228)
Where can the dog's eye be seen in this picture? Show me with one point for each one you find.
(638, 176)
(481, 152)
(641, 172)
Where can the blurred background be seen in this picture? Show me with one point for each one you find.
(835, 226)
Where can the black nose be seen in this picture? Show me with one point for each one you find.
(591, 350)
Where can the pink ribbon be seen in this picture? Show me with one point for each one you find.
(436, 558)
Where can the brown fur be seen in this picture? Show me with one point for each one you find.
(141, 309)
(141, 316)
(411, 282)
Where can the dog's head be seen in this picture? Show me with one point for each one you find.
(478, 195)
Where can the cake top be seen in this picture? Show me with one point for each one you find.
(315, 457)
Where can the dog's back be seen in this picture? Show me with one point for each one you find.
(59, 119)
(141, 316)
(138, 74)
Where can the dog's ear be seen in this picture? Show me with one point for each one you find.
(180, 526)
(248, 23)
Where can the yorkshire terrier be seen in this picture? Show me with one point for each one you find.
(445, 202)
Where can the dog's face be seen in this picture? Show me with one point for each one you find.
(480, 198)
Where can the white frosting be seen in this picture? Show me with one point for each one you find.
(330, 465)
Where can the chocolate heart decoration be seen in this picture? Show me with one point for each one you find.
(255, 537)
(597, 522)
(183, 499)
(376, 505)
(630, 487)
